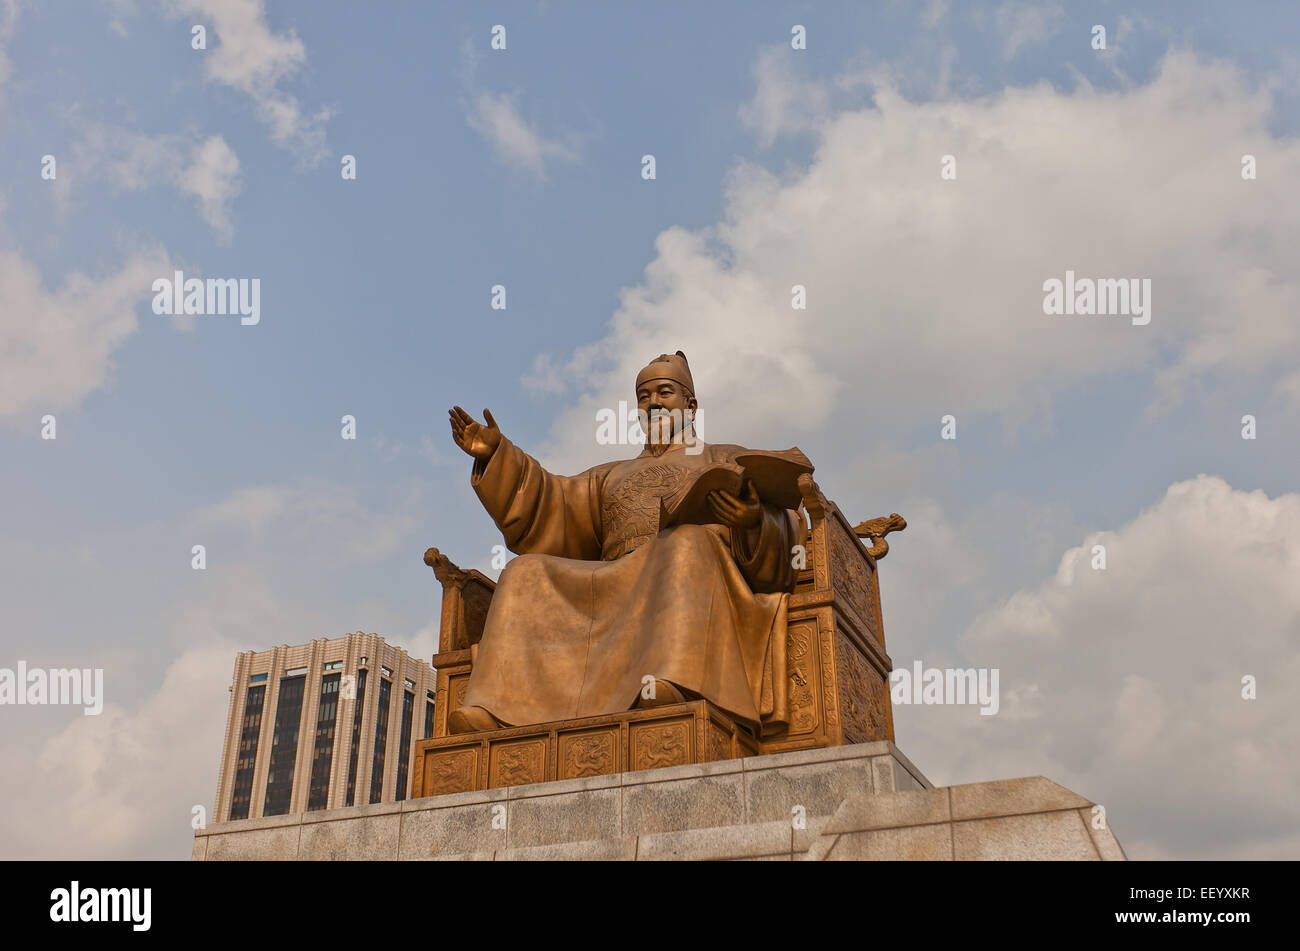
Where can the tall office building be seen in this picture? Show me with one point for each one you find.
(322, 725)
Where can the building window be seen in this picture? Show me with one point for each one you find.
(385, 671)
(410, 684)
(242, 792)
(356, 734)
(284, 746)
(408, 714)
(428, 719)
(334, 665)
(323, 749)
(257, 679)
(381, 741)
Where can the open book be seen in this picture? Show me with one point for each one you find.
(775, 475)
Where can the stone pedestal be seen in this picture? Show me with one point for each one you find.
(672, 735)
(864, 801)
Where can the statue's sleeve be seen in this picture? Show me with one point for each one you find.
(537, 512)
(769, 567)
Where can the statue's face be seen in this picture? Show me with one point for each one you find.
(666, 405)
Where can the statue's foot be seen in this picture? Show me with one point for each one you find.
(664, 694)
(471, 720)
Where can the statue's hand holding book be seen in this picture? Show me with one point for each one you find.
(769, 477)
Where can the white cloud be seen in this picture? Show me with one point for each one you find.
(783, 102)
(57, 346)
(1023, 23)
(1289, 389)
(1125, 684)
(257, 61)
(496, 117)
(207, 171)
(250, 510)
(313, 515)
(284, 565)
(514, 140)
(936, 11)
(122, 784)
(933, 288)
(8, 22)
(118, 12)
(390, 449)
(213, 178)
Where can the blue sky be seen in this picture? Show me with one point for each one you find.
(522, 167)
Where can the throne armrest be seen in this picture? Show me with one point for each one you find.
(466, 596)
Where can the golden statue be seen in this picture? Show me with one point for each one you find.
(644, 581)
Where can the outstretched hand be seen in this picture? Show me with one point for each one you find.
(477, 439)
(742, 511)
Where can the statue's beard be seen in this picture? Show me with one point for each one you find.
(662, 425)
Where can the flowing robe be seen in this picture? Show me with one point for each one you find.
(599, 597)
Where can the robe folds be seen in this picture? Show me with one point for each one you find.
(600, 597)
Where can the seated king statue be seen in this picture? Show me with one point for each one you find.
(605, 609)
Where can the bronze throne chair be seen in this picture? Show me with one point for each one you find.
(831, 677)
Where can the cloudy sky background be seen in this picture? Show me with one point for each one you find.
(775, 167)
